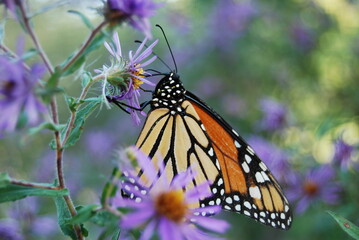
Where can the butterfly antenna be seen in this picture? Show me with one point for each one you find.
(138, 41)
(169, 47)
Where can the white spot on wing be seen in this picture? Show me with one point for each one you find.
(259, 177)
(210, 152)
(229, 200)
(235, 132)
(220, 182)
(247, 205)
(237, 144)
(254, 192)
(248, 158)
(265, 176)
(263, 166)
(245, 167)
(250, 150)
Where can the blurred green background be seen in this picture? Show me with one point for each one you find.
(232, 54)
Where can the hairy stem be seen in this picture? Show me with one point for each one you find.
(26, 184)
(73, 113)
(54, 113)
(34, 38)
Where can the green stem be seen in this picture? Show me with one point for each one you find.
(26, 184)
(55, 118)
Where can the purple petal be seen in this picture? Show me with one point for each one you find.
(199, 192)
(146, 164)
(182, 179)
(135, 219)
(215, 225)
(148, 231)
(302, 204)
(208, 209)
(168, 230)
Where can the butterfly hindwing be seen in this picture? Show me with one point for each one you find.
(249, 187)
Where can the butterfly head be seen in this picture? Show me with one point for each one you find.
(169, 92)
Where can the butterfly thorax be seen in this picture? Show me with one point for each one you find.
(169, 93)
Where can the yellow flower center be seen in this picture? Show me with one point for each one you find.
(135, 81)
(171, 205)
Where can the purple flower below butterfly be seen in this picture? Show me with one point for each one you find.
(167, 209)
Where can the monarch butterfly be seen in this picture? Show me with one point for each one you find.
(185, 131)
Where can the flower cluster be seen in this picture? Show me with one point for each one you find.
(274, 157)
(9, 5)
(343, 154)
(165, 206)
(275, 115)
(317, 185)
(135, 12)
(17, 93)
(123, 79)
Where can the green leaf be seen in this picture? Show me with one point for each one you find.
(51, 86)
(4, 179)
(327, 125)
(84, 213)
(79, 122)
(116, 235)
(346, 225)
(64, 216)
(71, 103)
(2, 31)
(110, 188)
(75, 65)
(104, 218)
(13, 192)
(29, 54)
(86, 79)
(48, 7)
(95, 43)
(46, 125)
(84, 19)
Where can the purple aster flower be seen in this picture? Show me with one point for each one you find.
(135, 12)
(10, 5)
(25, 213)
(274, 114)
(165, 207)
(302, 36)
(275, 158)
(210, 86)
(17, 93)
(9, 230)
(100, 143)
(124, 78)
(234, 105)
(231, 18)
(343, 154)
(317, 185)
